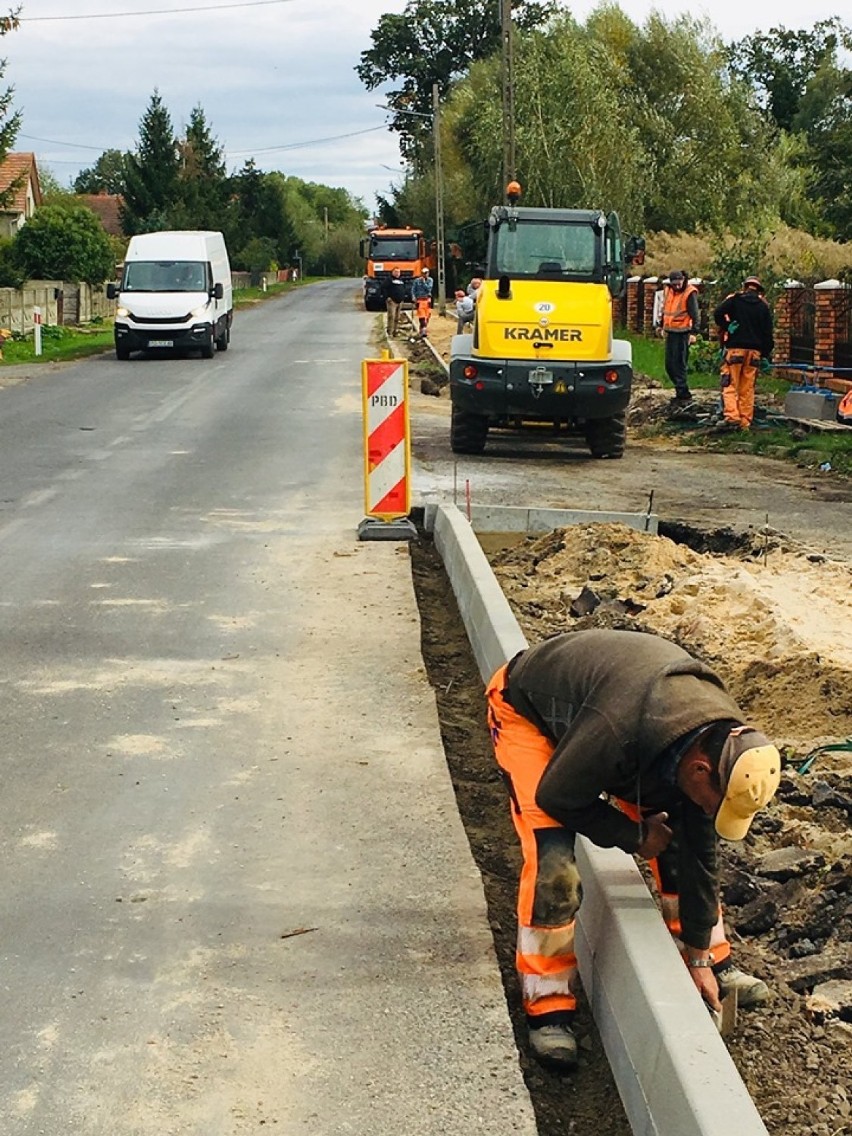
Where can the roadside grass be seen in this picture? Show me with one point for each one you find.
(68, 343)
(59, 343)
(649, 359)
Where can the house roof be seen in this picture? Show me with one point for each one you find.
(107, 206)
(20, 169)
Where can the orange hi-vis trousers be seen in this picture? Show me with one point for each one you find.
(550, 889)
(739, 376)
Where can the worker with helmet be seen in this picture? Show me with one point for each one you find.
(680, 321)
(745, 318)
(422, 292)
(624, 737)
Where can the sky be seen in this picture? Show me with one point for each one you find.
(275, 78)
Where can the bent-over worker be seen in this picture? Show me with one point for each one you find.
(623, 737)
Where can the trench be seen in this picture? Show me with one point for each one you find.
(586, 1101)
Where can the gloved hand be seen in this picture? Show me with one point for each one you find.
(765, 365)
(693, 339)
(657, 836)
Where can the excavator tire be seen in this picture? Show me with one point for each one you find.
(605, 437)
(468, 432)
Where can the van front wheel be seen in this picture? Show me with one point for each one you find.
(223, 340)
(207, 347)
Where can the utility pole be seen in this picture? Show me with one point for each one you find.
(508, 94)
(439, 203)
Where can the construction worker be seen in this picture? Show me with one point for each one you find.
(465, 309)
(680, 322)
(623, 737)
(421, 293)
(394, 291)
(745, 319)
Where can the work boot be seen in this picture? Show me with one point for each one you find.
(682, 399)
(751, 991)
(554, 1045)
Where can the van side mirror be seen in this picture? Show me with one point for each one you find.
(218, 291)
(112, 291)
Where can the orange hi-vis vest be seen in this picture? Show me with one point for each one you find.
(675, 314)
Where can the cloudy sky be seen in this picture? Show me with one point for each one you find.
(275, 78)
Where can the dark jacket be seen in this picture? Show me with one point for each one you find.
(747, 319)
(614, 704)
(394, 288)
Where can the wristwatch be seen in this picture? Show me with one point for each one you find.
(698, 964)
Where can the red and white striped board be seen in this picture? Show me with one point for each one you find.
(387, 438)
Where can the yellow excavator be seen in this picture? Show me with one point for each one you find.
(541, 350)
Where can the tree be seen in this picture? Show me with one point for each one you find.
(781, 63)
(105, 176)
(151, 174)
(435, 41)
(831, 145)
(61, 243)
(10, 124)
(202, 183)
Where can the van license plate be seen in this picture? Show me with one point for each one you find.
(161, 343)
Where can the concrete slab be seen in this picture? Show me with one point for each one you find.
(536, 521)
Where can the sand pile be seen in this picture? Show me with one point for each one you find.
(775, 626)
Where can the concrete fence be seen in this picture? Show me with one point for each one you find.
(59, 301)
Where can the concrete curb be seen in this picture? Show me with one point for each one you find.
(671, 1066)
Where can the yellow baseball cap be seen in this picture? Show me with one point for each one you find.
(750, 773)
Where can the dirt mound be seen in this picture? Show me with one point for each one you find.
(770, 622)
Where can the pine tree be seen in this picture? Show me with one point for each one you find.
(202, 185)
(151, 184)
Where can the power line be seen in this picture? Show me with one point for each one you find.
(228, 153)
(151, 12)
(312, 142)
(73, 145)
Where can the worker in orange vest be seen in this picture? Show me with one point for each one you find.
(680, 323)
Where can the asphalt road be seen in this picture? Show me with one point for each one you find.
(236, 889)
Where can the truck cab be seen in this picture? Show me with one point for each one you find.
(384, 249)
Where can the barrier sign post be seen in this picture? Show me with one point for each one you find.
(37, 330)
(387, 450)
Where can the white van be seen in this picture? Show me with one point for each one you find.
(175, 292)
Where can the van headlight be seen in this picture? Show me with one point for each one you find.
(197, 312)
(122, 313)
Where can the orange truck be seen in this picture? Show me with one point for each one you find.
(384, 249)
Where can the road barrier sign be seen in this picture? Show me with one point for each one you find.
(387, 448)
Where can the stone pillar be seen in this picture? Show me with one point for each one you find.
(784, 321)
(633, 303)
(649, 291)
(830, 297)
(619, 310)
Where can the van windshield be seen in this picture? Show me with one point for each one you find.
(166, 276)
